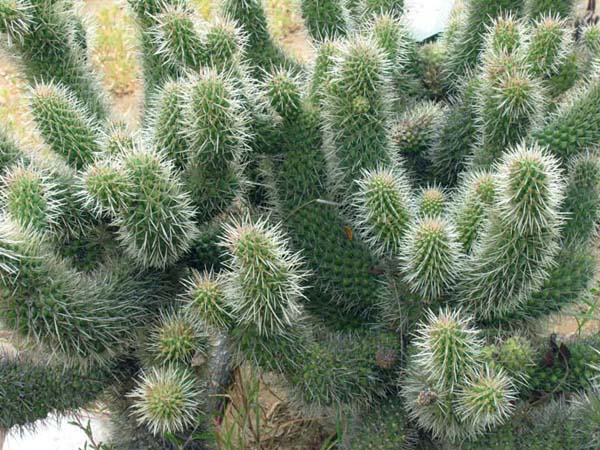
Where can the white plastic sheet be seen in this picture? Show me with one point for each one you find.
(427, 17)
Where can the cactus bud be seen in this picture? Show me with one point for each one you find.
(177, 338)
(432, 201)
(486, 400)
(15, 19)
(282, 90)
(205, 297)
(166, 399)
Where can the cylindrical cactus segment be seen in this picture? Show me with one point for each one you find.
(224, 43)
(432, 201)
(265, 286)
(167, 125)
(539, 8)
(447, 345)
(30, 198)
(77, 319)
(177, 37)
(521, 238)
(105, 188)
(449, 387)
(590, 39)
(325, 19)
(369, 8)
(430, 257)
(506, 34)
(509, 105)
(321, 70)
(391, 35)
(357, 110)
(457, 135)
(582, 200)
(216, 129)
(157, 225)
(549, 46)
(413, 135)
(476, 194)
(463, 54)
(574, 128)
(117, 139)
(261, 51)
(32, 388)
(65, 124)
(215, 121)
(384, 207)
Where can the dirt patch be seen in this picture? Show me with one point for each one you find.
(296, 42)
(259, 416)
(114, 50)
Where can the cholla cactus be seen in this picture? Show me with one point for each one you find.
(383, 229)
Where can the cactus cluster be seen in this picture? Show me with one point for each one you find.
(385, 228)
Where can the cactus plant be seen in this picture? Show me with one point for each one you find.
(382, 229)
